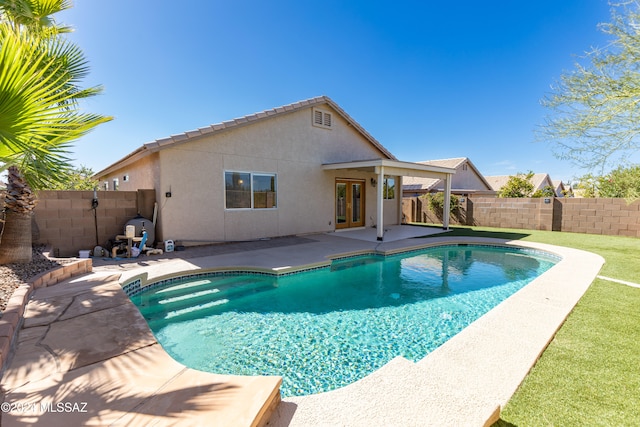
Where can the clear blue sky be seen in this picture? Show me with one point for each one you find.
(428, 79)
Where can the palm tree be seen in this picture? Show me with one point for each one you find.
(39, 112)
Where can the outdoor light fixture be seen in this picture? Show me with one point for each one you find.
(373, 182)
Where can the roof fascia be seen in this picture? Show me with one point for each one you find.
(130, 158)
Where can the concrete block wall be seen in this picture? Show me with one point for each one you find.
(527, 213)
(65, 221)
(416, 209)
(601, 216)
(614, 217)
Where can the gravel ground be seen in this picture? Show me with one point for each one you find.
(13, 275)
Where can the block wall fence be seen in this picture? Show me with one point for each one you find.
(65, 221)
(613, 217)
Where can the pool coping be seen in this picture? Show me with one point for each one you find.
(428, 392)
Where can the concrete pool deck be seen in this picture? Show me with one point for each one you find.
(84, 341)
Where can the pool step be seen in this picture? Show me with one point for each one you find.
(179, 289)
(177, 302)
(357, 262)
(191, 306)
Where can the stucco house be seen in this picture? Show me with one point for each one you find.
(306, 167)
(562, 190)
(539, 181)
(467, 181)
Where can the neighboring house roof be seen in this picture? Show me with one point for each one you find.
(173, 140)
(559, 188)
(539, 181)
(427, 184)
(497, 181)
(413, 183)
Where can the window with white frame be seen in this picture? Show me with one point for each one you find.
(250, 190)
(116, 183)
(389, 187)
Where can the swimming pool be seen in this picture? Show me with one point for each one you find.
(329, 327)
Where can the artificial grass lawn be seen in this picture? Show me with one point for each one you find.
(590, 373)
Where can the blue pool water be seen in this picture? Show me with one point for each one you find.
(327, 328)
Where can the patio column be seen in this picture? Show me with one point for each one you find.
(447, 201)
(398, 194)
(379, 202)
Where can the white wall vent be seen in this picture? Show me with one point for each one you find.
(322, 118)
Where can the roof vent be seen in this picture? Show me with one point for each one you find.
(322, 118)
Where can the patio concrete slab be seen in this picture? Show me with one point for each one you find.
(96, 356)
(51, 306)
(223, 398)
(392, 233)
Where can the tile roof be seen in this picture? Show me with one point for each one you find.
(448, 163)
(413, 183)
(172, 140)
(499, 181)
(427, 184)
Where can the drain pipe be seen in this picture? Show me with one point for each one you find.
(94, 207)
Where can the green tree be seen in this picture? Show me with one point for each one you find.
(594, 111)
(77, 179)
(547, 191)
(623, 182)
(436, 204)
(587, 186)
(518, 185)
(40, 74)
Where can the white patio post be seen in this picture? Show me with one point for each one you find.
(447, 201)
(398, 194)
(379, 204)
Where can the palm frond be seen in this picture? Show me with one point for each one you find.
(39, 116)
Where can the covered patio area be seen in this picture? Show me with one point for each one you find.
(385, 167)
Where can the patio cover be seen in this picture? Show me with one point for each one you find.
(382, 167)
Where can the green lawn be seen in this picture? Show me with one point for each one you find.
(590, 373)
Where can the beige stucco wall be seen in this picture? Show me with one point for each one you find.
(467, 179)
(287, 145)
(142, 174)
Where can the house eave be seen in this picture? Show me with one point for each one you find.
(392, 167)
(129, 159)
